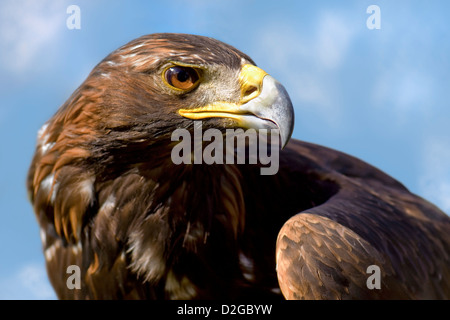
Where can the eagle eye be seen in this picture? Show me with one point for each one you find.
(181, 78)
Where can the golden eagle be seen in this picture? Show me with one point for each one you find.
(110, 199)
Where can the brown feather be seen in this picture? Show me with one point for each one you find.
(109, 199)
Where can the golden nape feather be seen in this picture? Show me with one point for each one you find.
(139, 213)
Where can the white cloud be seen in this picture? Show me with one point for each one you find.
(308, 59)
(30, 282)
(334, 36)
(407, 92)
(289, 51)
(434, 183)
(28, 28)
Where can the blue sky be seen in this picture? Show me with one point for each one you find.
(380, 95)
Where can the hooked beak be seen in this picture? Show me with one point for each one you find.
(264, 104)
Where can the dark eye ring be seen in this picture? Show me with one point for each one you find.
(182, 78)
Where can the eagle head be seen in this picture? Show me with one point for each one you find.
(102, 182)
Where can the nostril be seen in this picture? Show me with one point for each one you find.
(249, 91)
(251, 82)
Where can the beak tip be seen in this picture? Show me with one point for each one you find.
(286, 118)
(274, 105)
(286, 134)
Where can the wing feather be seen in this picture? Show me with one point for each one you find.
(370, 220)
(318, 258)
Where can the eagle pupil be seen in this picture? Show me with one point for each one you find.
(183, 75)
(183, 78)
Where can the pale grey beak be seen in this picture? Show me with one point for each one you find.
(273, 109)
